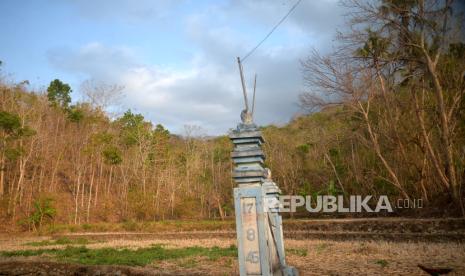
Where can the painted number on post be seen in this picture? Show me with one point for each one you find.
(249, 235)
(253, 257)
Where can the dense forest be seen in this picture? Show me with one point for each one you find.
(386, 117)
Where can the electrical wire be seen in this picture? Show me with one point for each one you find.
(272, 30)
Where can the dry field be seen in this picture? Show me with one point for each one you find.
(311, 257)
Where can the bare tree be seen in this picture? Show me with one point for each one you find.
(102, 95)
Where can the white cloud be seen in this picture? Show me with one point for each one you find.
(201, 94)
(208, 92)
(94, 59)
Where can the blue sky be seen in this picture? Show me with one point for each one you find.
(175, 59)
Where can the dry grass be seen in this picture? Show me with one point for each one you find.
(375, 258)
(311, 257)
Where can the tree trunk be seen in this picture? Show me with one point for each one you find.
(445, 131)
(2, 170)
(89, 200)
(377, 149)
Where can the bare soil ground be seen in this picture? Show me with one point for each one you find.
(334, 249)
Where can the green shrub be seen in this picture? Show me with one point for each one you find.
(44, 213)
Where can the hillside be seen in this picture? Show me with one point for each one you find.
(72, 164)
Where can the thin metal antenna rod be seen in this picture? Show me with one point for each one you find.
(243, 84)
(254, 87)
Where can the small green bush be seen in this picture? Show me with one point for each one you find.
(383, 263)
(44, 212)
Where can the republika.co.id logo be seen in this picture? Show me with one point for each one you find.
(332, 204)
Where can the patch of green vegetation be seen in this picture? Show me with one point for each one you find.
(44, 212)
(40, 243)
(228, 262)
(321, 247)
(27, 253)
(86, 226)
(188, 263)
(143, 226)
(383, 263)
(301, 252)
(60, 241)
(138, 257)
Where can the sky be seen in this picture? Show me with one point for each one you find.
(176, 60)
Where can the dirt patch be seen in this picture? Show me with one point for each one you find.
(25, 267)
(290, 234)
(54, 268)
(379, 225)
(375, 257)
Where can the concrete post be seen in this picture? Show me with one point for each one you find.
(258, 222)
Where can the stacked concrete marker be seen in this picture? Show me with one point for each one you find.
(247, 156)
(258, 223)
